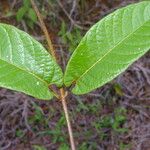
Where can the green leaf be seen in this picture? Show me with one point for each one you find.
(37, 147)
(25, 65)
(20, 14)
(26, 3)
(32, 15)
(63, 147)
(30, 23)
(109, 47)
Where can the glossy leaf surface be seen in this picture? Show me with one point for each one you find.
(109, 47)
(25, 65)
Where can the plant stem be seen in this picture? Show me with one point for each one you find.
(63, 99)
(43, 27)
(63, 95)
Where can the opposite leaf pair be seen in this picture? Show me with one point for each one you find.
(107, 49)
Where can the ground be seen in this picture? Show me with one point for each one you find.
(113, 117)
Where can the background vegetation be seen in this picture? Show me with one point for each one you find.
(114, 117)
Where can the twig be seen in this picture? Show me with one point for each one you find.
(25, 114)
(73, 7)
(62, 56)
(63, 96)
(13, 4)
(43, 27)
(24, 26)
(62, 91)
(69, 17)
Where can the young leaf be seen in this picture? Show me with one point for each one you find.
(32, 15)
(26, 3)
(25, 65)
(109, 47)
(20, 14)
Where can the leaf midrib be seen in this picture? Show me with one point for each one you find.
(109, 52)
(26, 72)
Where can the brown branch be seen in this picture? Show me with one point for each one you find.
(63, 94)
(63, 99)
(43, 27)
